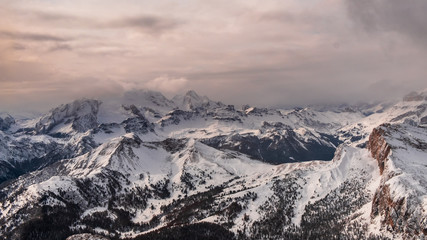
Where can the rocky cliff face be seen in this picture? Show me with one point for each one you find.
(149, 164)
(378, 146)
(397, 202)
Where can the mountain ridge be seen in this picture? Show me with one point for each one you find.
(123, 168)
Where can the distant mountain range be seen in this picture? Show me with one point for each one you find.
(147, 167)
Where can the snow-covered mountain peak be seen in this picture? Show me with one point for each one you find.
(116, 154)
(144, 164)
(5, 115)
(411, 110)
(192, 94)
(146, 98)
(80, 116)
(191, 101)
(416, 96)
(6, 121)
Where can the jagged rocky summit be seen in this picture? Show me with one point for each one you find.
(146, 167)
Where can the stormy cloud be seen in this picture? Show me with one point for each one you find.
(150, 24)
(240, 52)
(404, 17)
(32, 36)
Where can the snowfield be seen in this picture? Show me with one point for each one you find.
(146, 164)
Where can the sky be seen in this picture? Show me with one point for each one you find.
(263, 53)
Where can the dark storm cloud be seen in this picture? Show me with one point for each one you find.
(59, 20)
(151, 24)
(48, 16)
(407, 17)
(245, 52)
(38, 37)
(60, 47)
(247, 73)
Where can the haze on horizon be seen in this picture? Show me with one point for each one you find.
(262, 53)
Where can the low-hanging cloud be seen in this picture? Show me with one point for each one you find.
(167, 84)
(408, 17)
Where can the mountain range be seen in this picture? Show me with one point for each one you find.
(143, 166)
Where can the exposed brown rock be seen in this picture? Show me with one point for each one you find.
(378, 147)
(394, 212)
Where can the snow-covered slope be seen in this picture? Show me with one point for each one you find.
(412, 110)
(80, 116)
(142, 163)
(400, 203)
(191, 101)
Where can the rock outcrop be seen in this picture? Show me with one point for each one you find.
(378, 146)
(396, 200)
